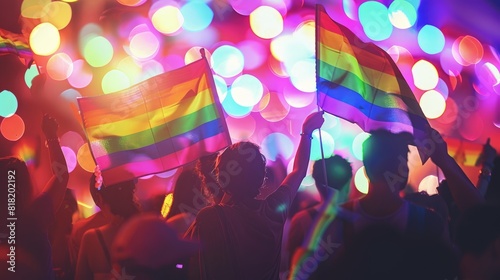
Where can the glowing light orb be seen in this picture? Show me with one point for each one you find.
(44, 39)
(266, 22)
(82, 74)
(167, 20)
(70, 157)
(275, 109)
(71, 95)
(470, 50)
(12, 128)
(247, 90)
(429, 185)
(31, 73)
(194, 54)
(113, 81)
(277, 144)
(98, 51)
(227, 61)
(297, 98)
(361, 180)
(131, 3)
(425, 75)
(402, 14)
(8, 104)
(58, 13)
(221, 87)
(85, 159)
(197, 15)
(60, 66)
(254, 53)
(234, 109)
(431, 39)
(241, 128)
(473, 128)
(305, 33)
(357, 145)
(33, 8)
(433, 104)
(374, 18)
(328, 145)
(144, 45)
(72, 140)
(303, 75)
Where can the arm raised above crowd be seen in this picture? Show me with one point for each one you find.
(301, 161)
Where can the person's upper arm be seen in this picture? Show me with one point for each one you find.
(83, 269)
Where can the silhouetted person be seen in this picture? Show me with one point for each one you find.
(241, 237)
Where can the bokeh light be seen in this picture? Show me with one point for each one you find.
(357, 145)
(326, 141)
(374, 18)
(98, 51)
(197, 15)
(402, 14)
(431, 39)
(277, 144)
(85, 159)
(60, 66)
(470, 50)
(361, 180)
(266, 22)
(297, 98)
(221, 87)
(433, 104)
(8, 103)
(70, 157)
(247, 90)
(227, 61)
(81, 75)
(167, 19)
(234, 109)
(194, 54)
(429, 185)
(242, 129)
(273, 107)
(57, 13)
(44, 39)
(33, 8)
(113, 81)
(425, 75)
(72, 140)
(70, 95)
(12, 128)
(31, 73)
(144, 45)
(254, 53)
(303, 75)
(131, 3)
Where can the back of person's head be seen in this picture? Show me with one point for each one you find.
(338, 172)
(120, 197)
(205, 167)
(385, 156)
(187, 194)
(240, 170)
(16, 183)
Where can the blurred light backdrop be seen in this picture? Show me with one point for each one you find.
(263, 57)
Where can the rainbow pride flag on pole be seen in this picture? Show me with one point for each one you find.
(12, 43)
(360, 82)
(160, 124)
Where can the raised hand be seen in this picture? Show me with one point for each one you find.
(312, 122)
(49, 126)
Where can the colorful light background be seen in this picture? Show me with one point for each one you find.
(263, 57)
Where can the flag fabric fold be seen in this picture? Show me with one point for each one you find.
(360, 82)
(159, 124)
(13, 43)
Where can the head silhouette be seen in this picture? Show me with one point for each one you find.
(338, 173)
(385, 157)
(120, 197)
(240, 170)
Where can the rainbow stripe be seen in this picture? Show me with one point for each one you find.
(159, 124)
(12, 43)
(360, 82)
(464, 152)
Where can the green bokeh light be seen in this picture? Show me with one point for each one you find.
(8, 104)
(98, 51)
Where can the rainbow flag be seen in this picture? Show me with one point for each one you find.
(12, 43)
(160, 124)
(360, 82)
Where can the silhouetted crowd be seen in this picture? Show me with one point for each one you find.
(234, 215)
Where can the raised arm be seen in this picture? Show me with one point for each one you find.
(56, 186)
(462, 190)
(301, 161)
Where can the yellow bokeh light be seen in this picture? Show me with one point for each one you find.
(113, 81)
(433, 104)
(425, 75)
(85, 159)
(45, 39)
(58, 13)
(167, 20)
(33, 8)
(266, 22)
(60, 67)
(361, 180)
(306, 33)
(429, 185)
(144, 45)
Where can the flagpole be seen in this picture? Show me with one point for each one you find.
(317, 99)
